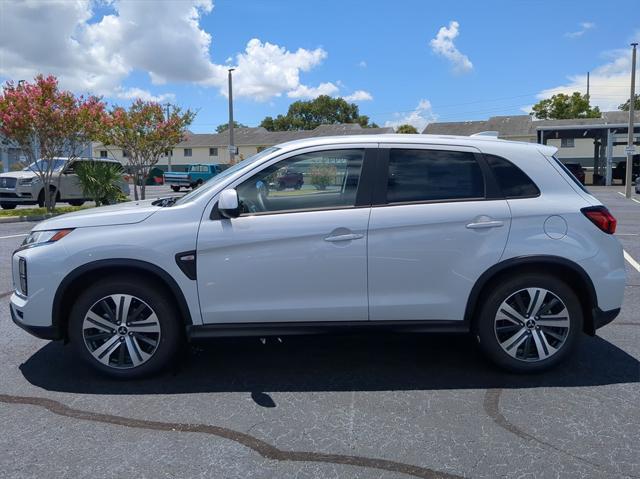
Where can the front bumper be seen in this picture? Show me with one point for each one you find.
(42, 332)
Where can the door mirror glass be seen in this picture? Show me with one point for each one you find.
(228, 204)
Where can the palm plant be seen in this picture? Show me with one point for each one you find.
(99, 181)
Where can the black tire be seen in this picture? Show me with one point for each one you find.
(175, 188)
(41, 196)
(76, 202)
(8, 206)
(486, 331)
(151, 293)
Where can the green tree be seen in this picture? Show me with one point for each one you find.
(625, 106)
(144, 132)
(324, 110)
(225, 126)
(406, 128)
(562, 106)
(99, 181)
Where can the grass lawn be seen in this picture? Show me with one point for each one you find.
(40, 211)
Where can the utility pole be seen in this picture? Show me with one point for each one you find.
(630, 148)
(588, 87)
(232, 147)
(170, 152)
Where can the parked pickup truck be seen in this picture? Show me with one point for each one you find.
(193, 177)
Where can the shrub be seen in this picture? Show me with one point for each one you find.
(322, 175)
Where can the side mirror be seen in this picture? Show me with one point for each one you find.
(228, 205)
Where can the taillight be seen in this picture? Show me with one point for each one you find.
(600, 216)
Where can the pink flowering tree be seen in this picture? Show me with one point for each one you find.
(146, 135)
(48, 123)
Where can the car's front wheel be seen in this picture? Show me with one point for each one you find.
(529, 323)
(175, 188)
(8, 206)
(125, 327)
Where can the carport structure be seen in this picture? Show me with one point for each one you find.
(607, 132)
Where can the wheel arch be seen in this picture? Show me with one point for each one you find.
(87, 274)
(575, 276)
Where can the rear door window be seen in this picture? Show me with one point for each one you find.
(433, 175)
(513, 182)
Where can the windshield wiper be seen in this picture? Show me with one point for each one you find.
(165, 201)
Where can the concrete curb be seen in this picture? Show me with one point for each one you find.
(23, 219)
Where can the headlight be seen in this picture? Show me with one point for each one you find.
(29, 181)
(37, 238)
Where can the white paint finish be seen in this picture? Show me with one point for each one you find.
(279, 267)
(423, 260)
(632, 261)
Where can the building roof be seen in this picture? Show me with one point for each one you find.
(524, 125)
(261, 137)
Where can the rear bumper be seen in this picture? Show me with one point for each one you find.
(42, 332)
(602, 318)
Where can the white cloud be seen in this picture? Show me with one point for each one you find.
(265, 70)
(443, 45)
(584, 27)
(420, 117)
(362, 64)
(97, 55)
(146, 95)
(359, 95)
(306, 92)
(609, 82)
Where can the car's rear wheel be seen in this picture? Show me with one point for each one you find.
(125, 327)
(76, 202)
(529, 323)
(8, 206)
(175, 188)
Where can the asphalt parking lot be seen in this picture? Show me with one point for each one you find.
(356, 407)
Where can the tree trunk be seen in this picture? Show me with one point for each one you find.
(142, 190)
(135, 185)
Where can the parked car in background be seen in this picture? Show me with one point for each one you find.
(620, 170)
(289, 179)
(577, 170)
(192, 178)
(413, 233)
(25, 187)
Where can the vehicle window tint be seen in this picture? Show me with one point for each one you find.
(513, 182)
(318, 180)
(431, 175)
(571, 175)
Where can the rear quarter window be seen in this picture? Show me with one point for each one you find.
(512, 181)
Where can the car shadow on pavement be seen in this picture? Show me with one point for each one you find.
(333, 363)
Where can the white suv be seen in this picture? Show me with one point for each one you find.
(25, 187)
(411, 233)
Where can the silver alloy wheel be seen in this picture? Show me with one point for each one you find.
(532, 324)
(121, 331)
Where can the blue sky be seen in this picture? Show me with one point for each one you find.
(490, 58)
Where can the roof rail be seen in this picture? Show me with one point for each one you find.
(492, 134)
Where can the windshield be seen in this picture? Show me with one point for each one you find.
(212, 182)
(43, 166)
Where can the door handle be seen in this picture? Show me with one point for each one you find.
(485, 224)
(345, 237)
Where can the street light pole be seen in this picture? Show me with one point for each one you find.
(232, 147)
(170, 152)
(632, 100)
